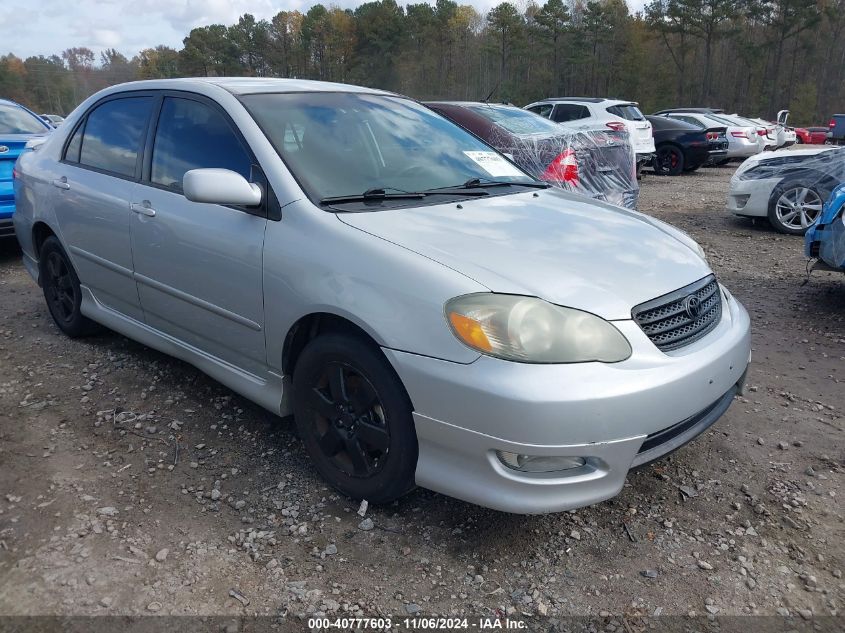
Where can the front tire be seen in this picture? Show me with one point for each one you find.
(62, 290)
(794, 208)
(355, 418)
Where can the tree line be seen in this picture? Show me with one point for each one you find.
(750, 56)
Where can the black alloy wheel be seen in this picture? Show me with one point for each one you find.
(355, 418)
(62, 290)
(349, 421)
(669, 161)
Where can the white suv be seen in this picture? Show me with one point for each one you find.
(613, 113)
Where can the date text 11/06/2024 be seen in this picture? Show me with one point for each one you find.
(417, 623)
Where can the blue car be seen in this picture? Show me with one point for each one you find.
(826, 239)
(17, 126)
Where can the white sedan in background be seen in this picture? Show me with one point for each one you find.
(788, 188)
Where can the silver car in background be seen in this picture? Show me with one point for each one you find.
(427, 312)
(742, 136)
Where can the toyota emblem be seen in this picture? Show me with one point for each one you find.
(692, 307)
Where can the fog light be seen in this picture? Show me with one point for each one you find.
(538, 463)
(741, 201)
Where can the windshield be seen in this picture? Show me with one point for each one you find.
(516, 120)
(730, 120)
(343, 144)
(15, 120)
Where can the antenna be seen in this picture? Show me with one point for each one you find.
(492, 92)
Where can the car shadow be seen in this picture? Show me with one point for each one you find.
(10, 250)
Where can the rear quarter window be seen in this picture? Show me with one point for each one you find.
(627, 112)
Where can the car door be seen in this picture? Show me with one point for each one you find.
(99, 167)
(198, 266)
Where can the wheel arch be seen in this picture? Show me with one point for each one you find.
(40, 232)
(312, 325)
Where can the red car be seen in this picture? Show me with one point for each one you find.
(811, 135)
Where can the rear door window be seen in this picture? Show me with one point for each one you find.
(193, 135)
(113, 135)
(570, 112)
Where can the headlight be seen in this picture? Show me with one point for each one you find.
(530, 330)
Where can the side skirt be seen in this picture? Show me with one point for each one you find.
(268, 391)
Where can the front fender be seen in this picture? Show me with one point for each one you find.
(314, 263)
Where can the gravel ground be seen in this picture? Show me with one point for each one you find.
(133, 484)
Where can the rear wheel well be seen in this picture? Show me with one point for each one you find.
(40, 232)
(311, 326)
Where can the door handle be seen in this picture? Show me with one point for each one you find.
(61, 183)
(143, 208)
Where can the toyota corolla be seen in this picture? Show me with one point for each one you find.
(430, 314)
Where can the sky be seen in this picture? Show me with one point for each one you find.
(45, 27)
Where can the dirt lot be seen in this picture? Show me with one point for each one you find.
(132, 484)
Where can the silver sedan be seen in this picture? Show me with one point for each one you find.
(787, 188)
(428, 313)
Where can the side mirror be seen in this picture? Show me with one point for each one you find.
(220, 186)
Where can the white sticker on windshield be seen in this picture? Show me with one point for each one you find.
(493, 164)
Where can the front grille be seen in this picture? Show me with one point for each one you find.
(674, 320)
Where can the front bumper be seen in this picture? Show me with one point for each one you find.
(603, 413)
(750, 198)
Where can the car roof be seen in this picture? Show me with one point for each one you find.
(463, 104)
(667, 123)
(590, 100)
(246, 85)
(696, 110)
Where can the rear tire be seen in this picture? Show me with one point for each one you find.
(355, 418)
(669, 161)
(62, 290)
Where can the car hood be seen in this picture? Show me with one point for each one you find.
(557, 246)
(748, 163)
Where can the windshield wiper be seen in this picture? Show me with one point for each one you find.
(378, 193)
(478, 183)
